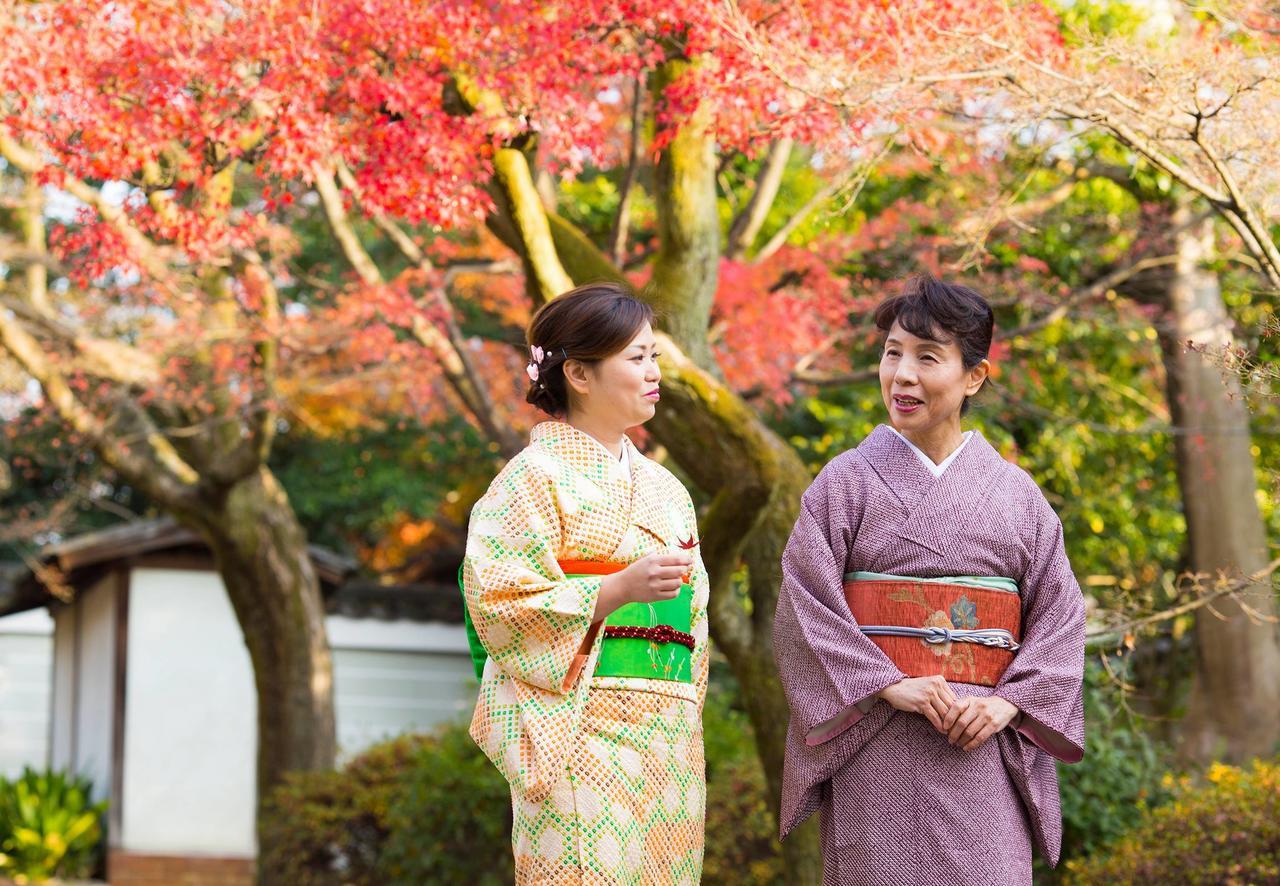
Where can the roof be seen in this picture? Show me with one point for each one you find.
(82, 559)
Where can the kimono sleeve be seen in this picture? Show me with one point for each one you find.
(698, 626)
(533, 621)
(830, 671)
(1046, 678)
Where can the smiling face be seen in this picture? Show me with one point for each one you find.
(924, 382)
(622, 389)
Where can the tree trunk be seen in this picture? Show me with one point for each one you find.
(261, 554)
(1236, 690)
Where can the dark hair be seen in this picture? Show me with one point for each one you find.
(931, 308)
(587, 324)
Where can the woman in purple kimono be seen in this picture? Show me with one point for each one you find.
(929, 632)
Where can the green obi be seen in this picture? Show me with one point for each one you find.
(625, 656)
(632, 657)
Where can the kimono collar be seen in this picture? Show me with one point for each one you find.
(938, 468)
(951, 497)
(585, 453)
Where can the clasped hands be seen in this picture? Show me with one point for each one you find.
(966, 722)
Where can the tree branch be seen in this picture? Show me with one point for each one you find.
(1094, 290)
(158, 470)
(746, 226)
(449, 347)
(621, 221)
(101, 358)
(147, 253)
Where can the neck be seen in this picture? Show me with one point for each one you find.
(939, 441)
(607, 432)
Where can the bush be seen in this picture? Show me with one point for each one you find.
(48, 827)
(1121, 773)
(1223, 829)
(328, 828)
(451, 821)
(742, 831)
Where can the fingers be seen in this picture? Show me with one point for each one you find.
(933, 703)
(932, 715)
(983, 734)
(964, 723)
(953, 713)
(683, 561)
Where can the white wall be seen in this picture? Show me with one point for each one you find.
(190, 729)
(394, 677)
(84, 684)
(190, 719)
(26, 669)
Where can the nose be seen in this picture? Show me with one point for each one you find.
(654, 373)
(905, 374)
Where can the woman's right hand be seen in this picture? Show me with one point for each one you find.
(648, 580)
(930, 696)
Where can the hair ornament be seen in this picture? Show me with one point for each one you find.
(537, 355)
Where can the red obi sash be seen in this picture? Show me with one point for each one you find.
(964, 633)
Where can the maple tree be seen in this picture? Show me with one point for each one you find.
(175, 325)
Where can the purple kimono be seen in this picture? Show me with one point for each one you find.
(899, 804)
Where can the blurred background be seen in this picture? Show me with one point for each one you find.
(264, 273)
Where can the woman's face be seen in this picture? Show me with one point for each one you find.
(621, 389)
(923, 381)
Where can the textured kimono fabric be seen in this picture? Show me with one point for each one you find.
(607, 777)
(899, 804)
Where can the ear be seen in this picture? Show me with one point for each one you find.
(977, 376)
(576, 377)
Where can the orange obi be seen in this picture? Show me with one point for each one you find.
(955, 628)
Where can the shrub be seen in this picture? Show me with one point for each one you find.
(451, 820)
(1121, 773)
(48, 827)
(328, 828)
(742, 831)
(1222, 829)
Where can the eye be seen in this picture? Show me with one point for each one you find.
(891, 352)
(930, 358)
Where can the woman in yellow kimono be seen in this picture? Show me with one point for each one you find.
(588, 601)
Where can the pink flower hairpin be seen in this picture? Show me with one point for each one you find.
(532, 369)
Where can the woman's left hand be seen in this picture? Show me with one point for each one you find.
(971, 721)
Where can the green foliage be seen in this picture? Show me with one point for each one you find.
(742, 834)
(1122, 771)
(1224, 828)
(328, 828)
(450, 822)
(49, 827)
(348, 489)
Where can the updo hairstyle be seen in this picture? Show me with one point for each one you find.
(586, 324)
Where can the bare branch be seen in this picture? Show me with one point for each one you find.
(621, 221)
(746, 225)
(155, 466)
(1096, 289)
(1230, 589)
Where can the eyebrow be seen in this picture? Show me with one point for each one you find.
(924, 343)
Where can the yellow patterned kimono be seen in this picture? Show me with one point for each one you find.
(606, 773)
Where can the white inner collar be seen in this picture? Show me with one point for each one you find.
(935, 469)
